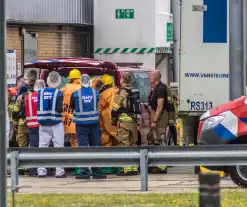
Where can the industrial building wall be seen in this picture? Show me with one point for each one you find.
(50, 11)
(52, 41)
(14, 41)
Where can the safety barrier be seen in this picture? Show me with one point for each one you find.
(143, 157)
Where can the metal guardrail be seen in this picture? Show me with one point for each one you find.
(225, 155)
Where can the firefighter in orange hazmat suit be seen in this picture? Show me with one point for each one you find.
(69, 126)
(108, 131)
(107, 94)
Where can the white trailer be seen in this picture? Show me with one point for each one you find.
(204, 59)
(135, 32)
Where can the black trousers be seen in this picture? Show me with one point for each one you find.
(173, 134)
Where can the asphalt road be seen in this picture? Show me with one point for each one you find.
(177, 180)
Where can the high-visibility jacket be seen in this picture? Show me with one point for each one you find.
(86, 106)
(120, 102)
(69, 126)
(13, 92)
(30, 101)
(47, 105)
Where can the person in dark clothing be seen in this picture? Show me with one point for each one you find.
(158, 102)
(158, 115)
(29, 81)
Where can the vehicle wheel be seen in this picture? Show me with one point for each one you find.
(238, 175)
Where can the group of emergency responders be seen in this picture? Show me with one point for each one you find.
(88, 113)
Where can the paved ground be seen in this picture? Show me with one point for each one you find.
(177, 180)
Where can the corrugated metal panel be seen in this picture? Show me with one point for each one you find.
(50, 11)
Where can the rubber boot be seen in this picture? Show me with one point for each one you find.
(77, 171)
(128, 171)
(107, 170)
(84, 175)
(50, 171)
(116, 170)
(21, 171)
(158, 170)
(163, 169)
(121, 172)
(134, 171)
(97, 176)
(111, 170)
(32, 172)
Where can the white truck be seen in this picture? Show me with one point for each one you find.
(140, 32)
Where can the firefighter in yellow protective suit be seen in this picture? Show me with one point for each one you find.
(124, 115)
(18, 118)
(108, 130)
(18, 113)
(69, 126)
(11, 102)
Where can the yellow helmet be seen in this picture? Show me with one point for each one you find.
(107, 79)
(74, 74)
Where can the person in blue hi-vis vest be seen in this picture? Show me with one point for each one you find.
(50, 108)
(84, 103)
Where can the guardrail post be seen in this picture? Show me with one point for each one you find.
(209, 189)
(14, 171)
(144, 169)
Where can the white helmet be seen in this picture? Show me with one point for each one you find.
(85, 80)
(54, 79)
(39, 84)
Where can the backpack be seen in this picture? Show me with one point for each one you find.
(133, 101)
(170, 104)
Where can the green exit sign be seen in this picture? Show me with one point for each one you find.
(169, 32)
(125, 13)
